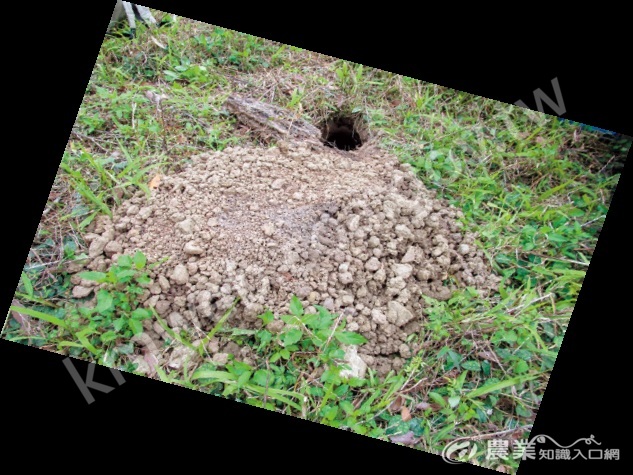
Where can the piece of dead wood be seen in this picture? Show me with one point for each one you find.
(268, 121)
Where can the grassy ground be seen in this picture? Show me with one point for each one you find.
(535, 189)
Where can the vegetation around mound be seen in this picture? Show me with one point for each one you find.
(534, 189)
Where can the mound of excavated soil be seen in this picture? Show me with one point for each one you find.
(359, 235)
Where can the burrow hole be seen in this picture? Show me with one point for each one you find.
(345, 132)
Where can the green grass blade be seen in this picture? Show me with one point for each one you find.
(40, 315)
(483, 390)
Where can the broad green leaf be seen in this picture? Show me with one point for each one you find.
(86, 311)
(124, 275)
(523, 354)
(504, 259)
(454, 358)
(471, 365)
(310, 320)
(522, 411)
(437, 398)
(331, 412)
(262, 377)
(322, 310)
(521, 366)
(350, 338)
(108, 336)
(124, 261)
(141, 314)
(119, 323)
(139, 260)
(94, 276)
(296, 307)
(171, 75)
(453, 401)
(356, 382)
(136, 326)
(238, 367)
(292, 336)
(267, 317)
(244, 378)
(330, 376)
(347, 406)
(105, 302)
(264, 337)
(337, 353)
(290, 319)
(485, 366)
(510, 336)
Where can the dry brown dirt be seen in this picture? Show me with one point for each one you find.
(356, 232)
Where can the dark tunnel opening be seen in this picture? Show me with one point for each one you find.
(342, 132)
